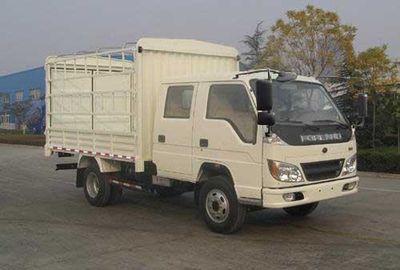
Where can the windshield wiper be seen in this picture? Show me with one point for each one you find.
(340, 124)
(300, 123)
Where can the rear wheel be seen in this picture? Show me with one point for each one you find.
(219, 206)
(96, 189)
(301, 210)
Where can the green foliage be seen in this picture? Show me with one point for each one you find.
(314, 42)
(373, 71)
(310, 42)
(380, 160)
(386, 125)
(255, 44)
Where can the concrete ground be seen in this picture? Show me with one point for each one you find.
(46, 223)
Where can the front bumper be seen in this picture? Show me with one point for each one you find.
(272, 198)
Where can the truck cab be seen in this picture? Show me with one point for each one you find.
(207, 131)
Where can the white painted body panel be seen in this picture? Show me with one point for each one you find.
(181, 156)
(301, 154)
(247, 163)
(244, 160)
(103, 105)
(174, 156)
(272, 198)
(165, 59)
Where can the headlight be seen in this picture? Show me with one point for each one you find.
(351, 165)
(285, 172)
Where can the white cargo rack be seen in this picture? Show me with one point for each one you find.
(89, 103)
(103, 103)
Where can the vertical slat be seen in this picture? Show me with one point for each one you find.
(97, 62)
(109, 64)
(123, 61)
(85, 60)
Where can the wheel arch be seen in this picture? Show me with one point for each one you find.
(210, 169)
(104, 165)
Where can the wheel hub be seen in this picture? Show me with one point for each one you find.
(92, 185)
(217, 205)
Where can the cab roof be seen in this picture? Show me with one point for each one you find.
(232, 76)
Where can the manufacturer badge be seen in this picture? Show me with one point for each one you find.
(321, 137)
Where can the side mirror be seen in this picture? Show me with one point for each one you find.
(265, 118)
(264, 95)
(286, 76)
(362, 105)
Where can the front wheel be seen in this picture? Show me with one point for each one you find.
(219, 206)
(301, 210)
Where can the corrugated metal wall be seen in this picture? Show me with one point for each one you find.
(29, 110)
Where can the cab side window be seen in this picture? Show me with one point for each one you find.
(230, 102)
(178, 101)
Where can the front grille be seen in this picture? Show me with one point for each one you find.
(321, 170)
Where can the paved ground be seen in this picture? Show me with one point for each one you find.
(45, 223)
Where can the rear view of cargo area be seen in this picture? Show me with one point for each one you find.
(89, 102)
(102, 103)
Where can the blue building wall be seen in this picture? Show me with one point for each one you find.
(24, 81)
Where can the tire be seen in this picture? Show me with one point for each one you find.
(97, 189)
(219, 206)
(168, 191)
(115, 195)
(301, 210)
(196, 195)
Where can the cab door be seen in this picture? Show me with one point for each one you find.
(173, 132)
(226, 133)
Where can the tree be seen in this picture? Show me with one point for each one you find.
(376, 74)
(310, 42)
(390, 114)
(21, 109)
(375, 67)
(255, 44)
(4, 105)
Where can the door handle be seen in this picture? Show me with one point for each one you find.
(161, 138)
(203, 143)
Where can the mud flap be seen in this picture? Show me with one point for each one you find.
(79, 177)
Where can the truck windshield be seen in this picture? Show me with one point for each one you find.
(303, 102)
(298, 102)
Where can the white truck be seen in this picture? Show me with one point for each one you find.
(172, 116)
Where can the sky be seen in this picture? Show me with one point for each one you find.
(30, 30)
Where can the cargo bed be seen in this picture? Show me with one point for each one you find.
(103, 103)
